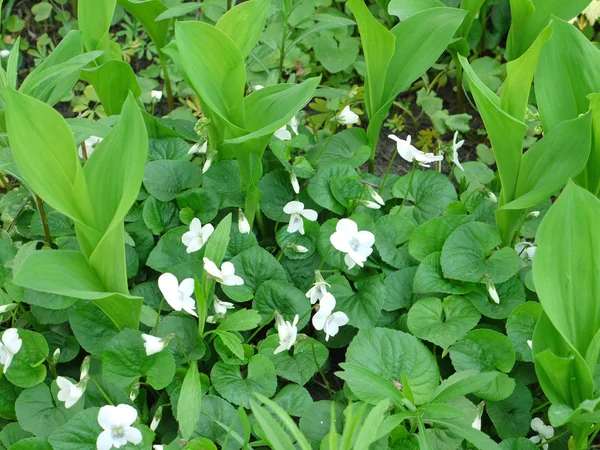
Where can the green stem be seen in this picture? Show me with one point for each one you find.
(387, 172)
(188, 360)
(558, 436)
(324, 257)
(40, 204)
(160, 305)
(18, 213)
(321, 371)
(539, 408)
(282, 49)
(102, 391)
(167, 78)
(229, 4)
(258, 330)
(412, 177)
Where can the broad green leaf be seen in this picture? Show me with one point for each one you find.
(442, 323)
(242, 320)
(93, 330)
(479, 439)
(27, 368)
(146, 12)
(94, 20)
(216, 69)
(286, 299)
(519, 328)
(399, 289)
(370, 386)
(203, 203)
(565, 268)
(256, 266)
(32, 444)
(320, 189)
(215, 421)
(511, 294)
(274, 431)
(165, 179)
(8, 396)
(158, 215)
(469, 255)
(124, 361)
(82, 431)
(544, 168)
(288, 242)
(431, 192)
(113, 81)
(237, 388)
(232, 342)
(462, 383)
(51, 168)
(186, 329)
(390, 233)
(287, 420)
(378, 47)
(396, 356)
(170, 255)
(403, 9)
(430, 236)
(244, 24)
(299, 365)
(65, 272)
(168, 148)
(315, 422)
(429, 278)
(483, 350)
(190, 401)
(334, 55)
(512, 416)
(362, 307)
(530, 17)
(349, 146)
(293, 399)
(277, 192)
(40, 412)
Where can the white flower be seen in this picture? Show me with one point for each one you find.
(370, 204)
(243, 224)
(530, 344)
(592, 12)
(156, 95)
(375, 195)
(532, 215)
(221, 307)
(294, 182)
(69, 393)
(455, 147)
(327, 320)
(90, 145)
(116, 422)
(178, 296)
(358, 245)
(156, 419)
(288, 333)
(283, 134)
(258, 87)
(153, 344)
(492, 197)
(318, 289)
(199, 149)
(195, 239)
(157, 447)
(297, 211)
(477, 422)
(208, 162)
(9, 347)
(347, 117)
(410, 153)
(492, 290)
(8, 307)
(526, 250)
(4, 53)
(299, 249)
(224, 276)
(544, 431)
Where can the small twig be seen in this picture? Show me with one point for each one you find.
(18, 214)
(40, 205)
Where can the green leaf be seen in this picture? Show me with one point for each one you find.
(299, 365)
(404, 9)
(349, 147)
(431, 192)
(93, 330)
(512, 416)
(399, 289)
(94, 20)
(565, 267)
(230, 193)
(480, 440)
(186, 329)
(280, 296)
(315, 423)
(81, 432)
(390, 233)
(27, 367)
(41, 413)
(511, 293)
(216, 70)
(190, 401)
(396, 356)
(124, 361)
(219, 422)
(288, 241)
(545, 170)
(274, 432)
(242, 320)
(147, 11)
(320, 189)
(336, 55)
(469, 255)
(158, 215)
(462, 383)
(32, 444)
(113, 81)
(442, 323)
(232, 342)
(363, 308)
(237, 388)
(168, 148)
(293, 399)
(8, 396)
(165, 179)
(277, 192)
(430, 278)
(519, 328)
(483, 350)
(371, 387)
(255, 266)
(244, 24)
(170, 255)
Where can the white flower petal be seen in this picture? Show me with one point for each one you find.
(293, 207)
(169, 287)
(133, 435)
(104, 441)
(212, 268)
(310, 214)
(187, 287)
